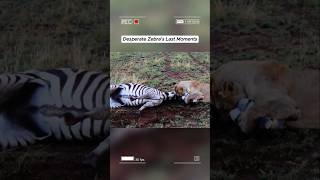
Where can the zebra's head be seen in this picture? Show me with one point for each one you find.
(170, 95)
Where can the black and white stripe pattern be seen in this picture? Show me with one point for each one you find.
(133, 94)
(23, 95)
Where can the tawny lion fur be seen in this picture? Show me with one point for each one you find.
(198, 91)
(278, 92)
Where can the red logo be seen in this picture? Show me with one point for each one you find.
(136, 21)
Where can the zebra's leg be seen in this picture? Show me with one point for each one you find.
(149, 104)
(117, 136)
(93, 157)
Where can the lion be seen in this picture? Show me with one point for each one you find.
(278, 92)
(193, 91)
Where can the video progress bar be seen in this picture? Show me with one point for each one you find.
(132, 162)
(187, 163)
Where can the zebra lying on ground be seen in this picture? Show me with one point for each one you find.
(133, 94)
(35, 105)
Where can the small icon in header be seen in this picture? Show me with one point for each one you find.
(130, 21)
(196, 158)
(136, 21)
(126, 21)
(179, 21)
(187, 21)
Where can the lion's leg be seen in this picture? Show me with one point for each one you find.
(248, 118)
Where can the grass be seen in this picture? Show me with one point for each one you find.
(286, 32)
(243, 11)
(152, 68)
(51, 34)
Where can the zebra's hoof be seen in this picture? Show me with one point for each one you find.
(91, 160)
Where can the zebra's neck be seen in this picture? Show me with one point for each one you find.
(169, 96)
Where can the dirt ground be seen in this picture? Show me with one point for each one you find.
(168, 115)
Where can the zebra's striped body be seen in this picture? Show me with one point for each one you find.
(22, 120)
(133, 94)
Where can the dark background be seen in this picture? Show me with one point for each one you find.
(284, 31)
(74, 33)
